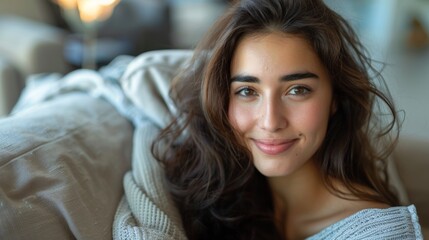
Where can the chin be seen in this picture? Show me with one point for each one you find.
(274, 170)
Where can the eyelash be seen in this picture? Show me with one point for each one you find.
(254, 93)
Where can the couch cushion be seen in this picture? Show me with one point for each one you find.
(61, 169)
(412, 158)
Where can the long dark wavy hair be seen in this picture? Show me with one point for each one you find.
(210, 174)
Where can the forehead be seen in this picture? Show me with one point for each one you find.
(271, 52)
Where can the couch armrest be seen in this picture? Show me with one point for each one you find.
(26, 47)
(32, 47)
(10, 86)
(412, 159)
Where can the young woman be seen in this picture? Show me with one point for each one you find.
(278, 138)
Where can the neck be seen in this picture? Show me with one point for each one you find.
(299, 190)
(299, 199)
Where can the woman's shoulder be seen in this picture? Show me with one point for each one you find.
(375, 223)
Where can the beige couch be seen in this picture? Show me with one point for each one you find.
(26, 47)
(61, 169)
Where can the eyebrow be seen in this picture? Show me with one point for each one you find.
(288, 77)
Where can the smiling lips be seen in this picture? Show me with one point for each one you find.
(272, 146)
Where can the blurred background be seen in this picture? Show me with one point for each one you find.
(39, 36)
(45, 36)
(396, 32)
(51, 36)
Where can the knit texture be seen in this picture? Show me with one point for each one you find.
(147, 211)
(390, 223)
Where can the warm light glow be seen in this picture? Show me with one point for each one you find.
(90, 10)
(66, 4)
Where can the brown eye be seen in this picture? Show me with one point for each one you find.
(299, 91)
(246, 92)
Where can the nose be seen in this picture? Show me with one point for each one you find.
(272, 115)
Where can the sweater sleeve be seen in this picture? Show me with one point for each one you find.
(146, 211)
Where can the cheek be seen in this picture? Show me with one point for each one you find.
(240, 117)
(313, 118)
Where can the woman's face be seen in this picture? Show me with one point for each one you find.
(280, 101)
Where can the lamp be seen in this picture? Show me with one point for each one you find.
(85, 17)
